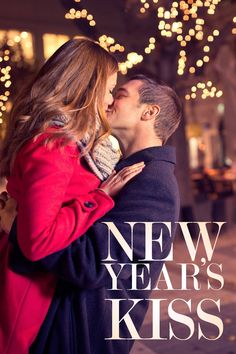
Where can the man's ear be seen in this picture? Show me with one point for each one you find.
(151, 112)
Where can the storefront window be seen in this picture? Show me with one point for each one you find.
(21, 43)
(51, 42)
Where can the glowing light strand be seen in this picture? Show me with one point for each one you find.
(203, 90)
(168, 26)
(5, 80)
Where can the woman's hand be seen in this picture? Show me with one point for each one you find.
(116, 181)
(8, 212)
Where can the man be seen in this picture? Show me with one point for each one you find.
(88, 315)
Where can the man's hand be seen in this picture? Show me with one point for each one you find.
(8, 212)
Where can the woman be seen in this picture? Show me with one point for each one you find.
(51, 158)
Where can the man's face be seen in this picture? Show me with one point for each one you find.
(126, 111)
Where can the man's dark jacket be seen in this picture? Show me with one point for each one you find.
(80, 317)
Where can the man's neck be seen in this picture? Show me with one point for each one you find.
(130, 145)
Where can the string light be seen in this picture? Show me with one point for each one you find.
(185, 10)
(145, 5)
(234, 24)
(203, 90)
(183, 21)
(13, 39)
(83, 14)
(11, 55)
(206, 49)
(182, 62)
(5, 80)
(132, 59)
(151, 46)
(109, 44)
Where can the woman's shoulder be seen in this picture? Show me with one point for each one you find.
(49, 142)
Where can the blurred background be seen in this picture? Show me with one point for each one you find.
(191, 45)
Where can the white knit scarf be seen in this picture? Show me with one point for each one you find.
(102, 158)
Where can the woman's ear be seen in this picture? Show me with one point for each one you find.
(151, 112)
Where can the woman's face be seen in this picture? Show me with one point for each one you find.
(111, 83)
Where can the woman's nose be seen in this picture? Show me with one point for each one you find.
(111, 100)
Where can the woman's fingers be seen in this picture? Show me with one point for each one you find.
(134, 166)
(130, 173)
(116, 181)
(111, 176)
(134, 169)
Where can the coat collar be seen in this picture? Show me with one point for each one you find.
(158, 153)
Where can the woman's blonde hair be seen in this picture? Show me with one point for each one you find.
(71, 84)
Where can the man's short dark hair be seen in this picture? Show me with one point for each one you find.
(154, 92)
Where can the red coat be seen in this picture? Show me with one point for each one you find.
(57, 202)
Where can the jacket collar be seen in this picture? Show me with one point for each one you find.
(158, 153)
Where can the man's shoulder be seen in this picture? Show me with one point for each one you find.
(158, 173)
(158, 170)
(158, 159)
(155, 178)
